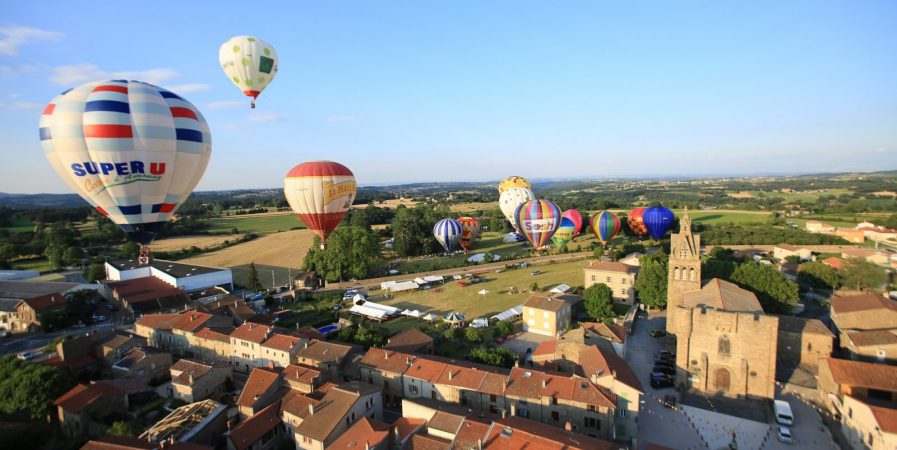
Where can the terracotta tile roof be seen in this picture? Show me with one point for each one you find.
(544, 303)
(834, 262)
(214, 334)
(617, 366)
(445, 421)
(83, 395)
(405, 426)
(158, 321)
(301, 373)
(607, 266)
(365, 433)
(425, 369)
(282, 342)
(387, 361)
(135, 355)
(260, 380)
(427, 442)
(322, 351)
(803, 325)
(546, 348)
(862, 374)
(184, 368)
(527, 383)
(723, 295)
(119, 443)
(251, 332)
(335, 404)
(872, 337)
(612, 332)
(517, 433)
(190, 321)
(119, 339)
(863, 302)
(494, 384)
(470, 432)
(252, 429)
(789, 247)
(884, 413)
(409, 341)
(296, 403)
(45, 301)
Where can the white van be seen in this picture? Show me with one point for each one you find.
(783, 412)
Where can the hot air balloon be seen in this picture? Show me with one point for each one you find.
(658, 220)
(448, 233)
(514, 182)
(510, 199)
(576, 218)
(564, 234)
(636, 222)
(537, 220)
(470, 230)
(605, 225)
(250, 63)
(320, 192)
(132, 150)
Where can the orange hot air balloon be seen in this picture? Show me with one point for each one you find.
(470, 230)
(636, 222)
(320, 192)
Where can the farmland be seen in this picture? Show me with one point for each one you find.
(255, 223)
(177, 243)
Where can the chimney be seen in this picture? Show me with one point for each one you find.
(367, 446)
(385, 354)
(513, 409)
(311, 409)
(480, 444)
(270, 364)
(568, 426)
(450, 375)
(517, 363)
(190, 377)
(544, 383)
(504, 413)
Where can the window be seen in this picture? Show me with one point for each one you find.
(809, 346)
(492, 398)
(594, 278)
(881, 354)
(545, 314)
(554, 400)
(676, 273)
(413, 389)
(591, 408)
(545, 325)
(724, 346)
(591, 422)
(555, 416)
(623, 280)
(691, 274)
(532, 322)
(608, 279)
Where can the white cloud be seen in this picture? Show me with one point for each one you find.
(189, 87)
(344, 118)
(21, 105)
(267, 117)
(81, 73)
(14, 36)
(227, 104)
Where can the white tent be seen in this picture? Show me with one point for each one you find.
(401, 286)
(411, 313)
(511, 314)
(429, 317)
(560, 289)
(481, 257)
(480, 322)
(510, 237)
(483, 292)
(373, 313)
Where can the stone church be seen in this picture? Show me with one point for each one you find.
(725, 343)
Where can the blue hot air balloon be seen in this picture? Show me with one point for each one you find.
(658, 220)
(448, 233)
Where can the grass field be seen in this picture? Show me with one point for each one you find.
(841, 220)
(392, 203)
(39, 264)
(473, 207)
(796, 196)
(19, 225)
(716, 217)
(256, 223)
(201, 241)
(275, 251)
(452, 297)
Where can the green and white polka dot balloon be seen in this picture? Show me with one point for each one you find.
(250, 63)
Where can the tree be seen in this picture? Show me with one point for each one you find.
(28, 386)
(95, 272)
(412, 230)
(777, 294)
(891, 222)
(818, 275)
(504, 328)
(54, 256)
(651, 282)
(715, 268)
(120, 428)
(494, 356)
(351, 252)
(599, 302)
(72, 255)
(473, 335)
(253, 281)
(534, 287)
(859, 274)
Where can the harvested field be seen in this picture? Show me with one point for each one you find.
(182, 242)
(392, 203)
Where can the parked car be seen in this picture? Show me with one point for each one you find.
(25, 356)
(666, 370)
(669, 401)
(665, 358)
(98, 317)
(660, 353)
(80, 324)
(658, 333)
(3, 333)
(536, 272)
(661, 383)
(784, 434)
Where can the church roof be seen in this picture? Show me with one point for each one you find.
(723, 295)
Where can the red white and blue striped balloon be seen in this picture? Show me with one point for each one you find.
(448, 233)
(132, 150)
(537, 220)
(605, 225)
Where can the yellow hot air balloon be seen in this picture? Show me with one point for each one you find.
(514, 182)
(250, 63)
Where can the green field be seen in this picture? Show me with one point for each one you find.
(40, 264)
(452, 297)
(717, 217)
(798, 196)
(19, 225)
(260, 224)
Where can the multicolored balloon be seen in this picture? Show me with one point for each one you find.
(576, 218)
(510, 199)
(250, 63)
(537, 220)
(514, 182)
(564, 234)
(320, 192)
(470, 230)
(448, 233)
(132, 150)
(605, 225)
(658, 220)
(636, 222)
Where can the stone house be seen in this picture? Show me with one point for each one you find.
(261, 389)
(29, 311)
(384, 368)
(803, 341)
(192, 381)
(212, 344)
(143, 363)
(619, 277)
(111, 348)
(246, 344)
(263, 431)
(866, 325)
(411, 340)
(329, 357)
(82, 411)
(280, 349)
(546, 315)
(302, 378)
(156, 328)
(340, 408)
(784, 251)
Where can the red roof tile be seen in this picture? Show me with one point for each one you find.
(607, 266)
(84, 395)
(516, 433)
(282, 342)
(190, 321)
(251, 332)
(365, 433)
(45, 301)
(260, 381)
(252, 429)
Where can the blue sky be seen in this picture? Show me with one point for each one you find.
(439, 91)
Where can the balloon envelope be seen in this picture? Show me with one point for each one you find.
(320, 192)
(605, 225)
(249, 62)
(564, 234)
(512, 182)
(470, 230)
(132, 150)
(448, 233)
(576, 218)
(537, 221)
(636, 222)
(511, 199)
(658, 220)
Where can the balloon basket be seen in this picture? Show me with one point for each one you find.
(145, 256)
(252, 105)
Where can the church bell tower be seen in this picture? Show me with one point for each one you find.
(685, 263)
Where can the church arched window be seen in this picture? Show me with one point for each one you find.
(676, 273)
(724, 346)
(691, 274)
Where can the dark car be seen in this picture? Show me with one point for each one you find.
(658, 333)
(665, 358)
(668, 370)
(661, 353)
(661, 383)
